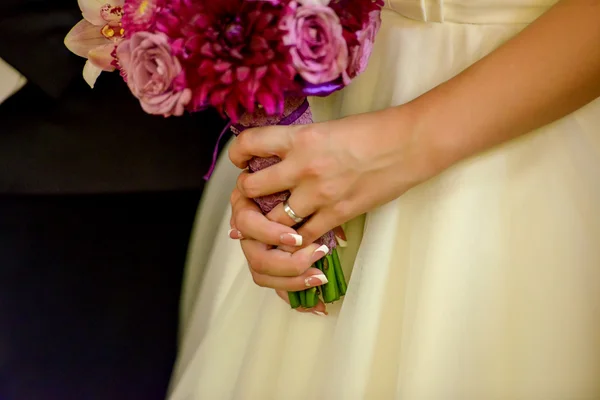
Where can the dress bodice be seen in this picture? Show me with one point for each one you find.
(471, 11)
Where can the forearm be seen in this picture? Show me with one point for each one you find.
(549, 70)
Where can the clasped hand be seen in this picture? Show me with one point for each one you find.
(335, 171)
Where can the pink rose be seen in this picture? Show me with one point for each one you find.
(319, 51)
(314, 2)
(360, 54)
(153, 73)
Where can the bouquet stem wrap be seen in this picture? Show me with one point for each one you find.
(296, 112)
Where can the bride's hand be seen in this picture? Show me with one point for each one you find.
(272, 267)
(336, 170)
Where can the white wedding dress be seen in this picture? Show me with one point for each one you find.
(481, 284)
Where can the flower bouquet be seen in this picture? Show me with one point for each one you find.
(255, 61)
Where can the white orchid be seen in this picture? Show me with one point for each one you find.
(96, 35)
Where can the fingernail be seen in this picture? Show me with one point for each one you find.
(234, 234)
(291, 239)
(320, 253)
(319, 313)
(315, 280)
(341, 242)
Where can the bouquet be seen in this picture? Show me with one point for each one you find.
(255, 61)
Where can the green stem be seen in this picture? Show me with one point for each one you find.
(339, 273)
(294, 299)
(331, 292)
(302, 295)
(312, 298)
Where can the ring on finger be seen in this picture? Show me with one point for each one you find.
(288, 210)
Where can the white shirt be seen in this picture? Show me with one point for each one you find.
(11, 81)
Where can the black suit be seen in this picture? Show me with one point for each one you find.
(97, 200)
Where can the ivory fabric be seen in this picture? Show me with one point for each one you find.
(480, 284)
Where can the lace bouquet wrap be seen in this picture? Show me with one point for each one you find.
(256, 61)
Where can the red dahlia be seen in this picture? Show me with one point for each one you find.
(140, 15)
(354, 16)
(234, 55)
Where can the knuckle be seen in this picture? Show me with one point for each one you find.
(300, 265)
(248, 186)
(242, 139)
(259, 266)
(327, 191)
(306, 136)
(310, 233)
(315, 168)
(243, 220)
(342, 210)
(234, 156)
(300, 268)
(258, 279)
(235, 195)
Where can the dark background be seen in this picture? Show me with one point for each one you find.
(97, 201)
(89, 292)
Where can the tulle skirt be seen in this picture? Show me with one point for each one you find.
(481, 284)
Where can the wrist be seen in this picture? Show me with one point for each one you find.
(443, 129)
(416, 126)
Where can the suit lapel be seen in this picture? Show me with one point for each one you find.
(31, 40)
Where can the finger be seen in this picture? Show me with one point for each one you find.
(250, 222)
(340, 237)
(277, 178)
(319, 224)
(319, 309)
(278, 263)
(260, 142)
(283, 295)
(235, 195)
(233, 232)
(300, 204)
(309, 279)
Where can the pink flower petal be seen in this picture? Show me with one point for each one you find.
(84, 37)
(227, 77)
(124, 54)
(268, 101)
(101, 57)
(91, 9)
(242, 73)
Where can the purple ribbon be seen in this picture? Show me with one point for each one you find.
(216, 151)
(237, 128)
(322, 89)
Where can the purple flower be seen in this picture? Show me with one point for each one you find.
(317, 46)
(359, 54)
(154, 74)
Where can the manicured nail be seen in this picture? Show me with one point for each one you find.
(315, 280)
(291, 239)
(341, 242)
(235, 234)
(320, 253)
(319, 313)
